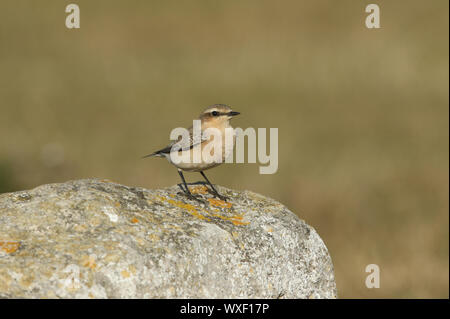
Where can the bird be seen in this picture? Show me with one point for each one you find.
(216, 116)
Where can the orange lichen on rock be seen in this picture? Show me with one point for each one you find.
(219, 203)
(199, 190)
(236, 219)
(190, 208)
(9, 247)
(89, 261)
(134, 220)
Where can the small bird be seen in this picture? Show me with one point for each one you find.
(216, 116)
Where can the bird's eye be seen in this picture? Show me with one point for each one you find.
(215, 113)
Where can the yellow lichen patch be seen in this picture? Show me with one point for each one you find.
(239, 223)
(26, 280)
(117, 204)
(111, 258)
(47, 273)
(80, 228)
(5, 280)
(219, 203)
(154, 237)
(125, 274)
(132, 269)
(88, 261)
(199, 190)
(190, 208)
(161, 198)
(236, 219)
(9, 247)
(200, 216)
(270, 229)
(134, 220)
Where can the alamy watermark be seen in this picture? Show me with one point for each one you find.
(373, 279)
(213, 145)
(373, 19)
(73, 19)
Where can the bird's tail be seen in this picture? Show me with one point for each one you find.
(157, 154)
(161, 153)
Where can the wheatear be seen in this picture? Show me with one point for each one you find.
(191, 149)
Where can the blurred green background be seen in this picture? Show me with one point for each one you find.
(362, 114)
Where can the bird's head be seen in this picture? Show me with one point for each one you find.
(217, 115)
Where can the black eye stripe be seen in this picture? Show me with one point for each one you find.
(217, 113)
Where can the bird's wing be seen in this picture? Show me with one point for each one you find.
(186, 144)
(181, 144)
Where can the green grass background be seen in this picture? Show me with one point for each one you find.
(362, 114)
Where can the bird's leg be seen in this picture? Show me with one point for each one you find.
(186, 190)
(214, 190)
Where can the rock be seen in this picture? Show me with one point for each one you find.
(99, 239)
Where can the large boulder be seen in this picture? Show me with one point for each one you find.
(98, 239)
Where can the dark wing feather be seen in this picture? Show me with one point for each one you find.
(180, 144)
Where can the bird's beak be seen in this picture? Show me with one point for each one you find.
(233, 113)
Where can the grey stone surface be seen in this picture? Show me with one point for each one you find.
(98, 239)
